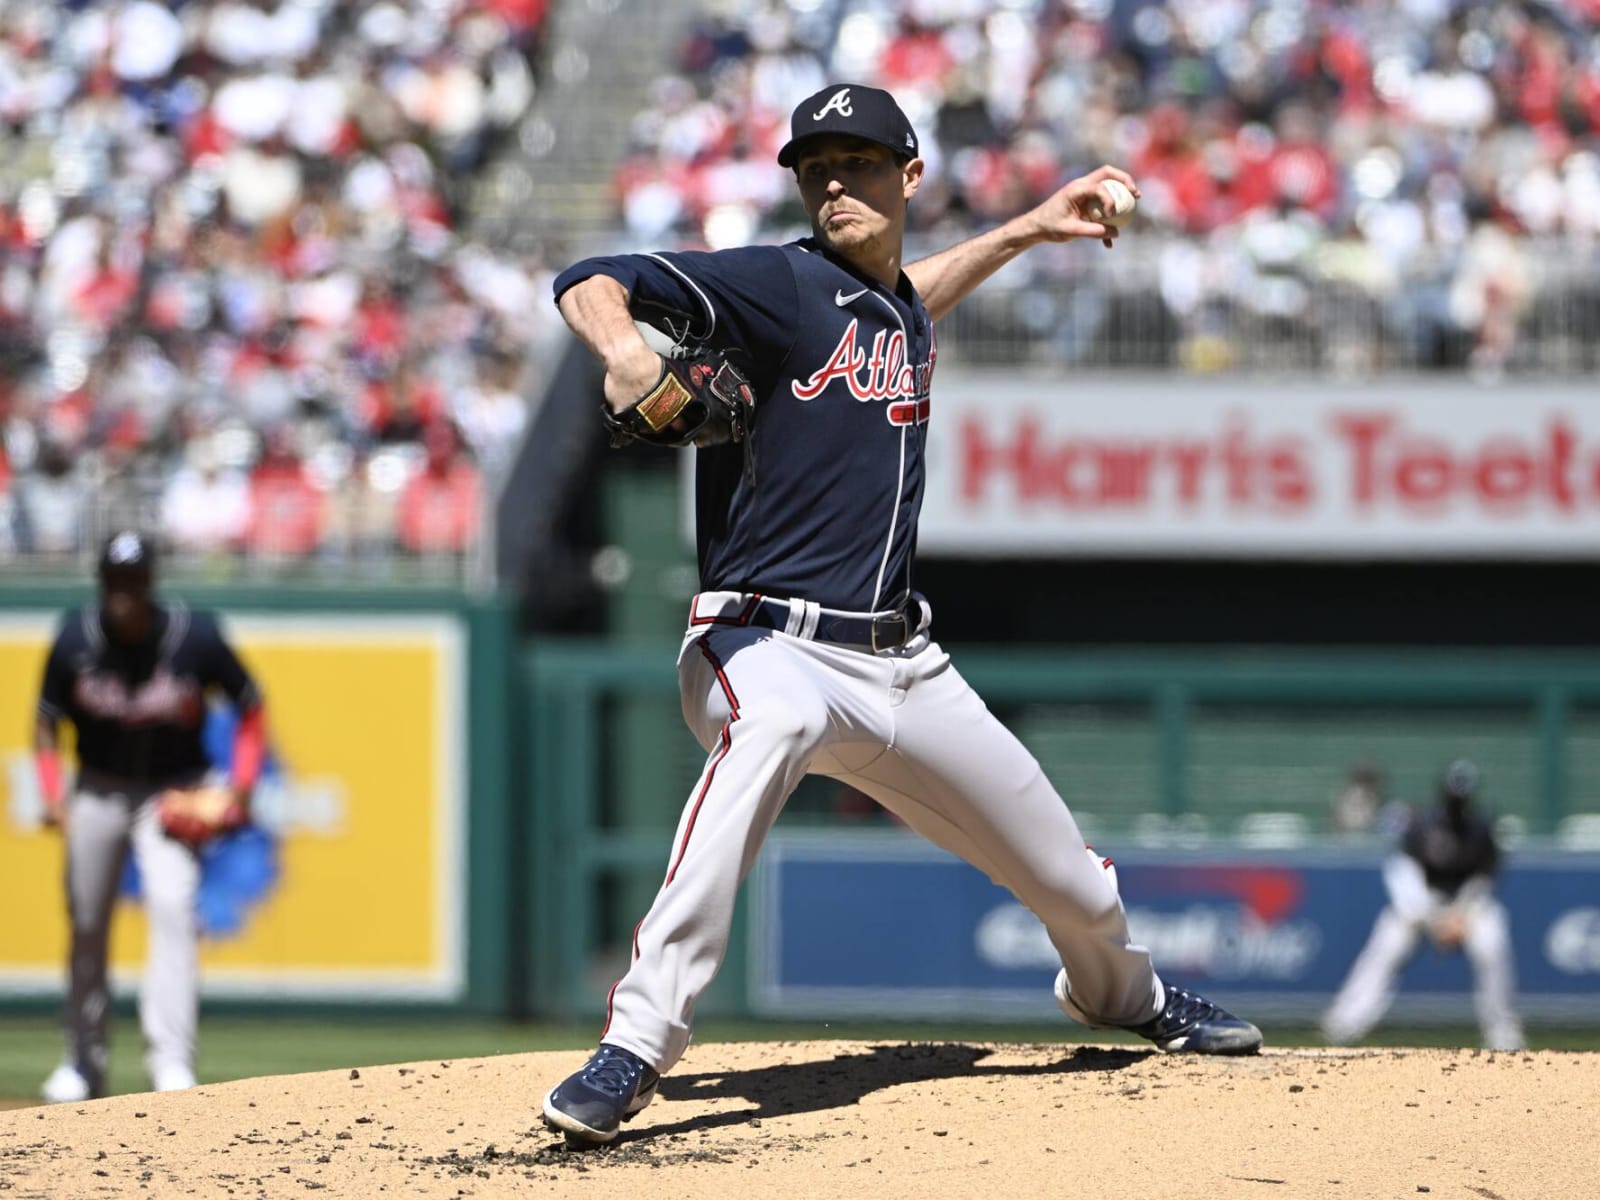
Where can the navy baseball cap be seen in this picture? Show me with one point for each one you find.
(849, 110)
(127, 553)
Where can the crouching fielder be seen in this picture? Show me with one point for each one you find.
(1440, 885)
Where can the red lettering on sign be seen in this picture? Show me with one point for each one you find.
(1424, 472)
(1375, 463)
(1054, 470)
(1081, 473)
(1190, 460)
(1505, 473)
(1237, 465)
(1363, 432)
(981, 459)
(1563, 444)
(1125, 474)
(1390, 464)
(1288, 476)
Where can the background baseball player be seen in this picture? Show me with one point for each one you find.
(1440, 886)
(808, 650)
(133, 677)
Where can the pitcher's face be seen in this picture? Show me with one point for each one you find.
(855, 192)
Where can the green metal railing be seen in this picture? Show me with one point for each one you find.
(1208, 735)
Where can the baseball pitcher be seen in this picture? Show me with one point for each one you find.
(807, 389)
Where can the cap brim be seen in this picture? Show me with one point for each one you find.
(125, 579)
(790, 154)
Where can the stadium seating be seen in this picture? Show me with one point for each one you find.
(237, 288)
(231, 222)
(1354, 187)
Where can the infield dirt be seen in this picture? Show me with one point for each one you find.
(822, 1119)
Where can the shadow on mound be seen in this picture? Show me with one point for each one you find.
(803, 1087)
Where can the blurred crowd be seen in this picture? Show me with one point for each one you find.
(1378, 182)
(237, 301)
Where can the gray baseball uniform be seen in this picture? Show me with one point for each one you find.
(904, 727)
(138, 711)
(821, 502)
(104, 818)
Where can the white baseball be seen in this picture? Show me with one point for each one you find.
(1122, 202)
(1105, 864)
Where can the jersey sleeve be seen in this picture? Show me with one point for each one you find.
(55, 692)
(745, 298)
(222, 666)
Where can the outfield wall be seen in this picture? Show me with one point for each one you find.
(454, 821)
(865, 925)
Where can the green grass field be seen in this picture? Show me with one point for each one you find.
(233, 1047)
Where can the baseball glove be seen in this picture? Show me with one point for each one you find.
(700, 400)
(196, 815)
(1449, 929)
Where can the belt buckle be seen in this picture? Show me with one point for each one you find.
(899, 619)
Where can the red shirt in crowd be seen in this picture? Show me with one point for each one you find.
(286, 511)
(439, 509)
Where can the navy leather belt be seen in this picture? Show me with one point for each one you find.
(804, 619)
(883, 632)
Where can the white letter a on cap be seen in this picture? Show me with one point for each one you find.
(839, 102)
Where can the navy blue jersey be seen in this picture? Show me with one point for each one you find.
(138, 709)
(821, 501)
(1449, 851)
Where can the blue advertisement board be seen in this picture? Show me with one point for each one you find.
(884, 925)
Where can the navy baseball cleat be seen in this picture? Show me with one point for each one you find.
(591, 1105)
(1190, 1022)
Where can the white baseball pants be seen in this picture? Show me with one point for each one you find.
(903, 727)
(101, 825)
(1369, 990)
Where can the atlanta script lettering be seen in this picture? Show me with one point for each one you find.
(882, 374)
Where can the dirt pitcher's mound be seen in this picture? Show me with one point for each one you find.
(828, 1118)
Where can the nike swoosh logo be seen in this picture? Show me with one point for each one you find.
(841, 299)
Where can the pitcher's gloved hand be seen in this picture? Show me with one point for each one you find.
(700, 400)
